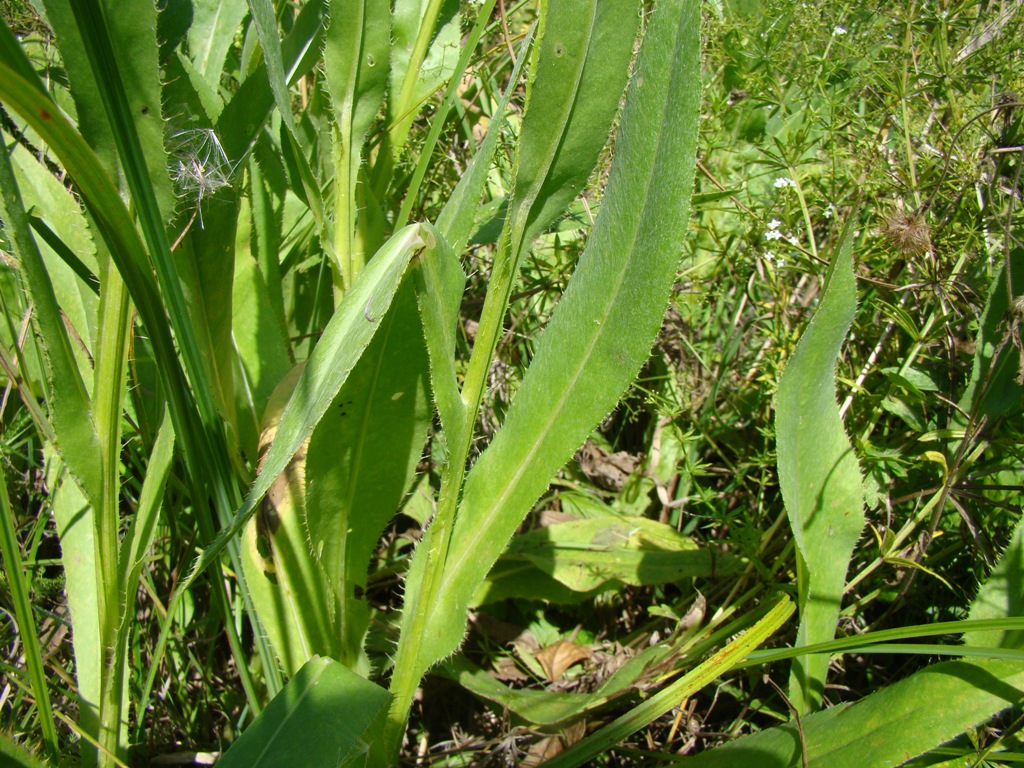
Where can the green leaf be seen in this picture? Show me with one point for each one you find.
(587, 554)
(356, 57)
(265, 21)
(669, 697)
(553, 708)
(602, 329)
(69, 405)
(346, 336)
(246, 112)
(362, 458)
(14, 755)
(290, 591)
(582, 65)
(884, 729)
(130, 29)
(324, 714)
(457, 218)
(818, 472)
(261, 345)
(139, 538)
(440, 283)
(18, 592)
(1001, 595)
(211, 34)
(205, 264)
(74, 521)
(427, 38)
(994, 388)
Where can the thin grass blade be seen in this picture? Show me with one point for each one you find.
(19, 594)
(671, 695)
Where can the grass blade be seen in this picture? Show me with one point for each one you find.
(19, 594)
(670, 696)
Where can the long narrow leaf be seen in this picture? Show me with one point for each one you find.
(597, 340)
(264, 19)
(19, 594)
(884, 729)
(356, 59)
(67, 400)
(818, 472)
(456, 219)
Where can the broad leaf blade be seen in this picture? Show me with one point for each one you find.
(584, 555)
(210, 35)
(818, 472)
(344, 340)
(289, 589)
(131, 27)
(320, 718)
(362, 458)
(67, 397)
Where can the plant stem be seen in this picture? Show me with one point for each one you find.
(109, 389)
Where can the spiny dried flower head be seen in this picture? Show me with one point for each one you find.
(908, 232)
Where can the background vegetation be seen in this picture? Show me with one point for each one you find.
(901, 122)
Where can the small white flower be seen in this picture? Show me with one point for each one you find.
(772, 234)
(769, 256)
(774, 224)
(793, 241)
(839, 31)
(784, 181)
(828, 212)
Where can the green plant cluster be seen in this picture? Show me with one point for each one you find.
(490, 383)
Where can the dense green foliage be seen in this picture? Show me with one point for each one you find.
(375, 348)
